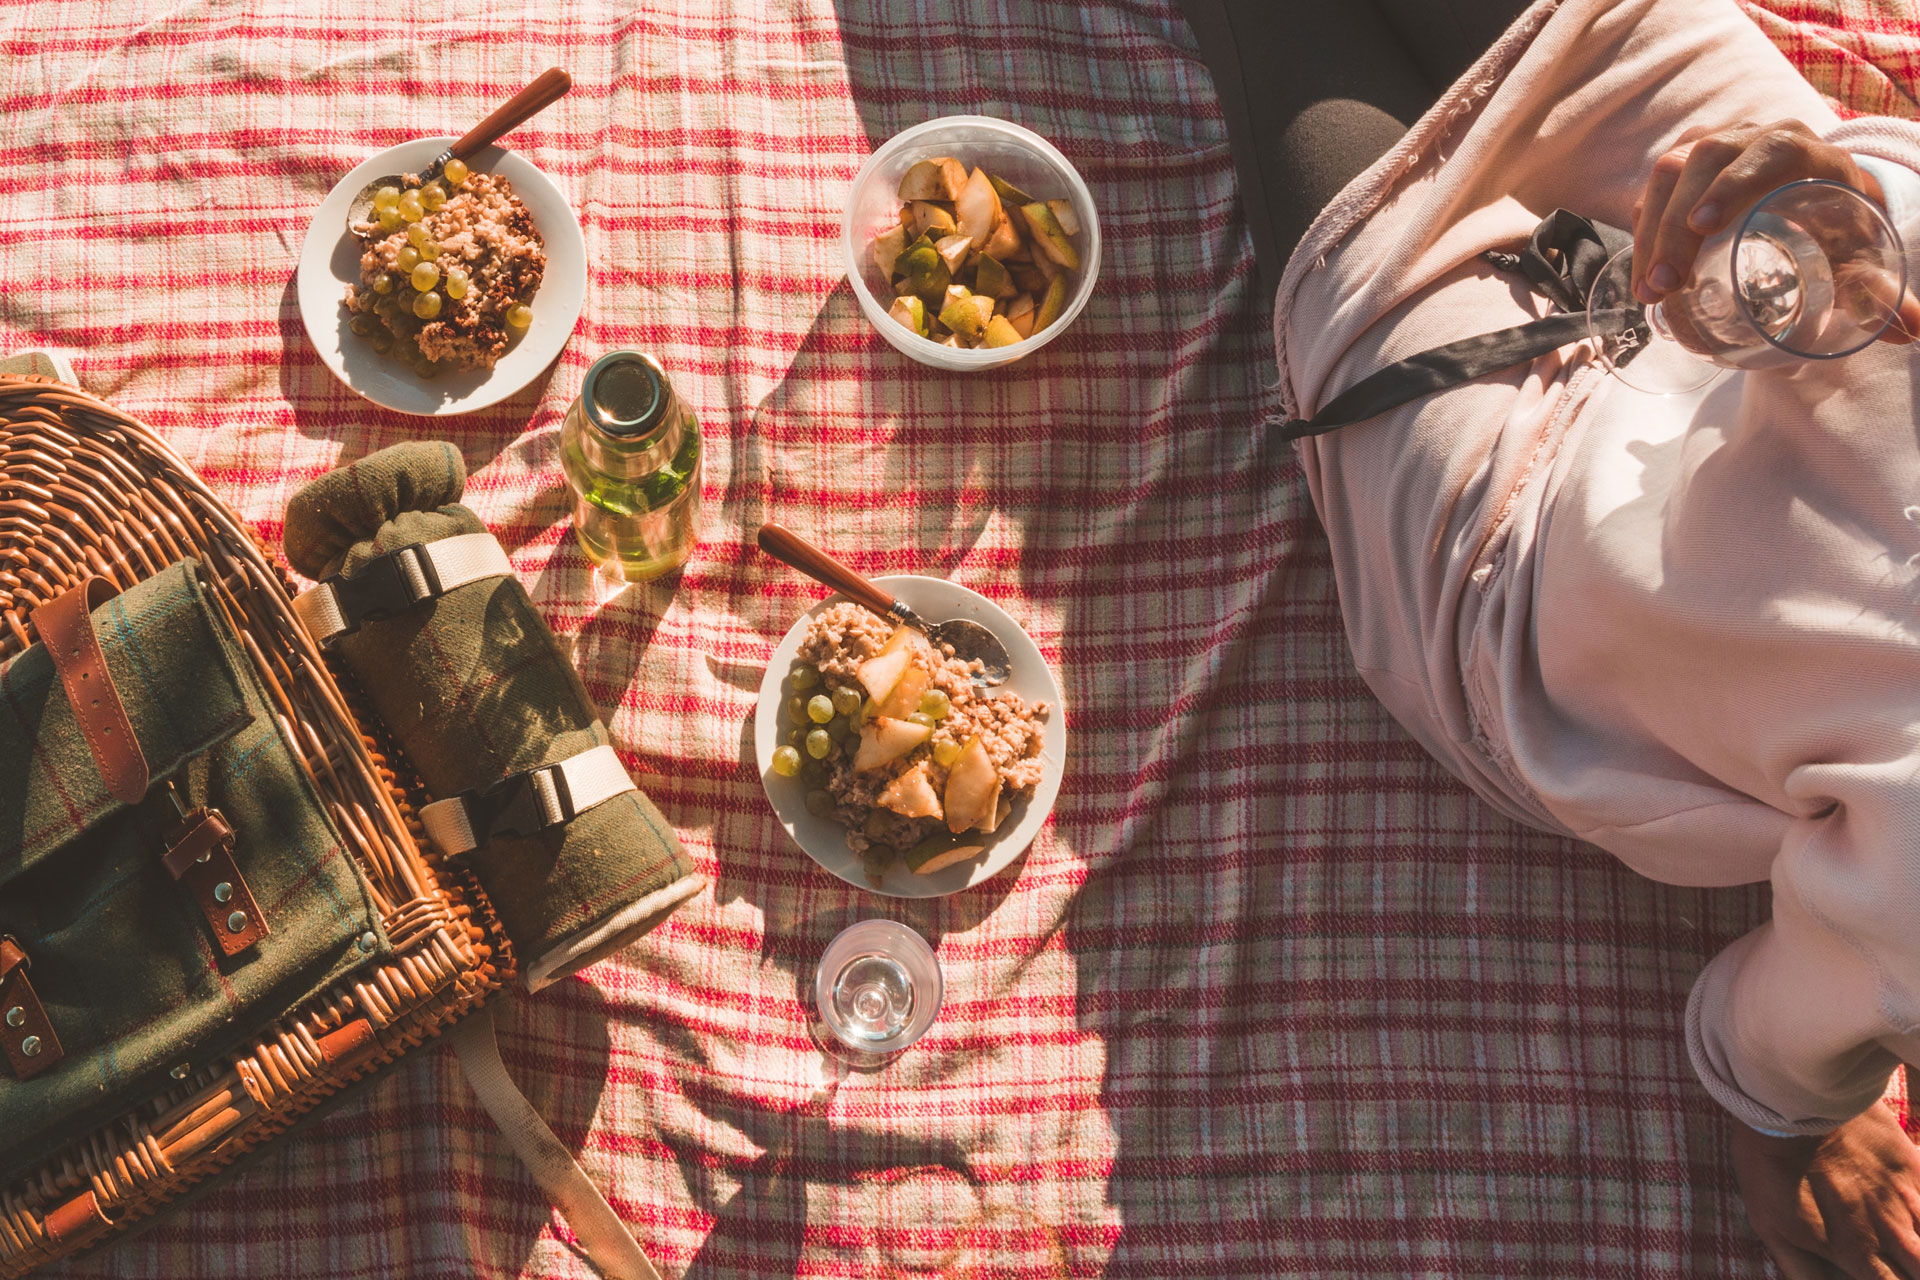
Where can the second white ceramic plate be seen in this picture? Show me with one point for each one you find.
(825, 840)
(330, 261)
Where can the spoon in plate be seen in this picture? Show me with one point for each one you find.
(509, 115)
(969, 639)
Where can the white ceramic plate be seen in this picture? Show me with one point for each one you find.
(330, 261)
(825, 840)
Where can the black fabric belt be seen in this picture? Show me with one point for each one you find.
(1561, 261)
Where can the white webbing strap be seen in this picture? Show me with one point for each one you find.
(398, 580)
(609, 1245)
(525, 803)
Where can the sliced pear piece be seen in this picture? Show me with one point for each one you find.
(904, 698)
(1029, 277)
(1023, 323)
(962, 315)
(1049, 236)
(902, 288)
(1001, 333)
(977, 208)
(911, 795)
(887, 248)
(882, 671)
(1005, 242)
(937, 853)
(953, 251)
(1062, 211)
(1052, 305)
(885, 740)
(973, 787)
(937, 179)
(991, 278)
(925, 270)
(1007, 191)
(931, 220)
(912, 313)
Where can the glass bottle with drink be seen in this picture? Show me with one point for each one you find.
(632, 453)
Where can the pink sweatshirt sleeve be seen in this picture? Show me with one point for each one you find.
(1796, 1026)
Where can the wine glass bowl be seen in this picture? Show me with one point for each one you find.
(877, 990)
(1814, 271)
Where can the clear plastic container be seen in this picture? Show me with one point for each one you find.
(1023, 158)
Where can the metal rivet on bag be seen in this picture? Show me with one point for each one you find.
(222, 891)
(205, 856)
(237, 922)
(368, 942)
(180, 1072)
(16, 1016)
(30, 1046)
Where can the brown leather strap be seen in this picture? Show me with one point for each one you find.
(65, 624)
(200, 855)
(25, 1033)
(78, 1221)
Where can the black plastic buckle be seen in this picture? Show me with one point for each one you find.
(381, 588)
(512, 807)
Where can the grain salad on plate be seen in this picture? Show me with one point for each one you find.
(892, 739)
(448, 272)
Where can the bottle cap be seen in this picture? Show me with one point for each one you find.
(625, 394)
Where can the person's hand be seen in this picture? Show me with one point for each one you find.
(1846, 1204)
(1711, 177)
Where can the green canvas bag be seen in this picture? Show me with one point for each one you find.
(151, 929)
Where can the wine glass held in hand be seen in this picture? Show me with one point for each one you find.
(1814, 271)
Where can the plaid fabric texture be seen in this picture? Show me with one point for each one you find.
(475, 688)
(1270, 996)
(120, 952)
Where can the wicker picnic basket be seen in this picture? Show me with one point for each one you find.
(85, 489)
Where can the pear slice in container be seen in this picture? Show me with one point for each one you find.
(939, 178)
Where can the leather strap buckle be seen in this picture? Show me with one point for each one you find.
(26, 1035)
(199, 854)
(65, 626)
(384, 586)
(528, 802)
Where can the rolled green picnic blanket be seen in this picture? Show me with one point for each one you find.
(477, 692)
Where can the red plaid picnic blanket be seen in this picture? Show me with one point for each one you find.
(1271, 996)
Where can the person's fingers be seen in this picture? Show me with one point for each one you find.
(1780, 154)
(1905, 326)
(1796, 1263)
(1675, 243)
(1647, 214)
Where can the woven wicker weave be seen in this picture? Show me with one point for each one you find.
(86, 489)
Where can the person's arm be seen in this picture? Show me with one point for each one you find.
(1712, 176)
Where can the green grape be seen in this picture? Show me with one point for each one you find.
(796, 738)
(921, 718)
(427, 306)
(455, 172)
(424, 277)
(360, 325)
(945, 751)
(383, 342)
(805, 677)
(877, 823)
(819, 804)
(786, 762)
(456, 283)
(431, 249)
(819, 708)
(410, 207)
(390, 220)
(519, 316)
(386, 198)
(428, 369)
(818, 744)
(846, 700)
(417, 234)
(383, 283)
(838, 728)
(433, 197)
(408, 258)
(797, 709)
(936, 704)
(813, 773)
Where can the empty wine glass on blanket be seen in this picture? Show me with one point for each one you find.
(877, 990)
(1815, 271)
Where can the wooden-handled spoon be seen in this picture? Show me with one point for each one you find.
(509, 115)
(969, 639)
